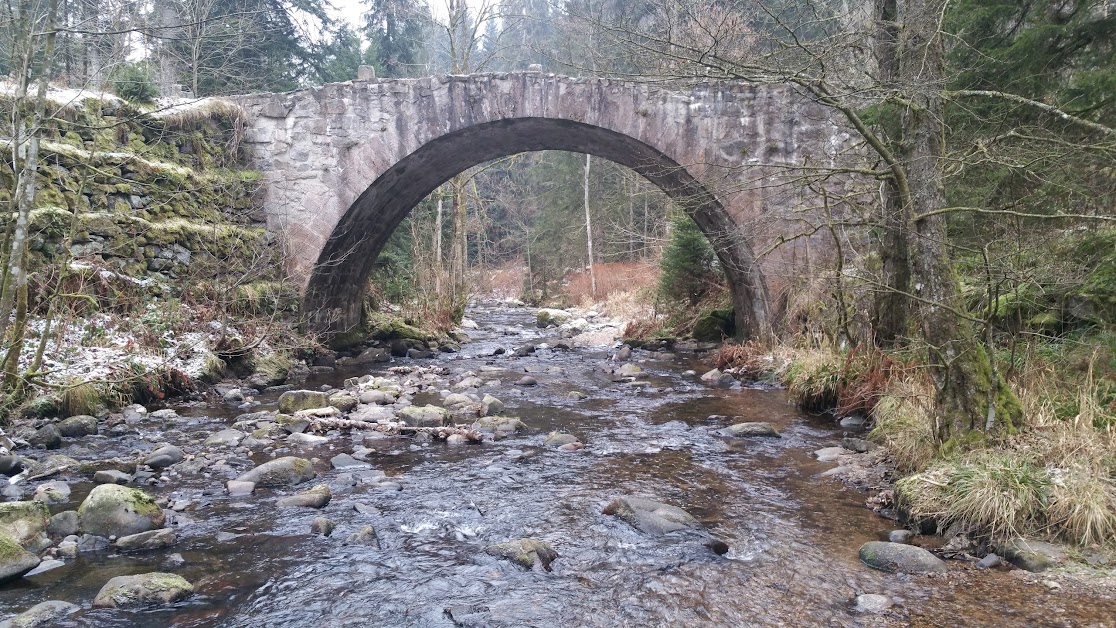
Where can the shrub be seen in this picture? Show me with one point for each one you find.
(135, 83)
(689, 265)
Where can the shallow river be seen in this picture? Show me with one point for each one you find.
(793, 535)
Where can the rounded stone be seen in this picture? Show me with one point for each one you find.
(114, 510)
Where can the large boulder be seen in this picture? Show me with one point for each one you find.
(14, 560)
(899, 558)
(47, 613)
(524, 552)
(24, 522)
(76, 426)
(285, 471)
(47, 437)
(714, 326)
(1030, 555)
(425, 416)
(648, 516)
(114, 510)
(294, 400)
(547, 317)
(146, 589)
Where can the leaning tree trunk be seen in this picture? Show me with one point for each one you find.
(959, 365)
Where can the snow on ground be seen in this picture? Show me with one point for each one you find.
(102, 347)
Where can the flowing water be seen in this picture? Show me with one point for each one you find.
(793, 535)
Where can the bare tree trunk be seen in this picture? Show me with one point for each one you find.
(438, 246)
(589, 228)
(890, 308)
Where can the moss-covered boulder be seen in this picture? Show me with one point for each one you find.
(14, 560)
(77, 426)
(149, 589)
(425, 416)
(25, 522)
(900, 558)
(114, 510)
(524, 552)
(294, 400)
(285, 471)
(547, 317)
(714, 326)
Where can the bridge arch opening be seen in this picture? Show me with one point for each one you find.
(334, 292)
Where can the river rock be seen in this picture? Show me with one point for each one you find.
(46, 437)
(456, 399)
(900, 536)
(54, 492)
(491, 405)
(233, 396)
(47, 613)
(163, 457)
(113, 510)
(425, 416)
(14, 560)
(92, 543)
(1033, 556)
(625, 353)
(24, 521)
(548, 316)
(524, 552)
(502, 424)
(316, 497)
(990, 561)
(112, 476)
(466, 383)
(78, 426)
(630, 370)
(872, 603)
(854, 422)
(239, 489)
(829, 454)
(150, 540)
(285, 471)
(716, 377)
(372, 355)
(364, 536)
(526, 380)
(322, 526)
(345, 461)
(559, 439)
(859, 445)
(343, 402)
(294, 400)
(751, 428)
(147, 589)
(306, 440)
(577, 395)
(225, 438)
(377, 397)
(63, 524)
(10, 465)
(899, 558)
(648, 516)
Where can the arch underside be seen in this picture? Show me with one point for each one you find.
(334, 292)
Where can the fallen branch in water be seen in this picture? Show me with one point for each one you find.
(442, 431)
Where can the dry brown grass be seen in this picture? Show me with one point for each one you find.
(503, 282)
(904, 421)
(612, 278)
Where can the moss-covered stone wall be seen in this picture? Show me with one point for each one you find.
(143, 193)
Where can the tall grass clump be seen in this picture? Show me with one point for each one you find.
(83, 398)
(813, 379)
(904, 422)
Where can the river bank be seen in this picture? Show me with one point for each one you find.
(648, 427)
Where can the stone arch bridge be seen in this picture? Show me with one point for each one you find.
(344, 163)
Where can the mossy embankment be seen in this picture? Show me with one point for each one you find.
(148, 253)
